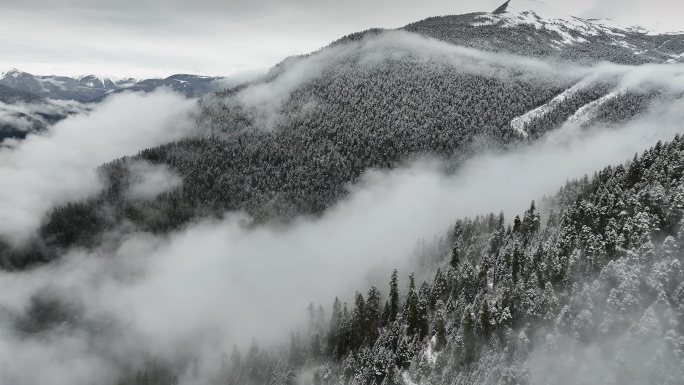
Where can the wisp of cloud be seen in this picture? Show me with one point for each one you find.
(57, 166)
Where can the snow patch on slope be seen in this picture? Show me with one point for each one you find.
(407, 378)
(14, 73)
(541, 16)
(520, 123)
(588, 112)
(430, 353)
(676, 59)
(570, 28)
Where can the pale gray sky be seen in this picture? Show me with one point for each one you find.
(145, 38)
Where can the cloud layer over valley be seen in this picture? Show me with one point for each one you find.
(195, 292)
(97, 315)
(57, 166)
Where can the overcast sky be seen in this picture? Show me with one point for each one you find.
(144, 38)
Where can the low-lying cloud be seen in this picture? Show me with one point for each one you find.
(54, 167)
(395, 44)
(149, 180)
(195, 292)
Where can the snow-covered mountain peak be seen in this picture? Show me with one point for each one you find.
(542, 10)
(13, 73)
(542, 16)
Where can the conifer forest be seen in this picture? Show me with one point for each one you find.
(482, 198)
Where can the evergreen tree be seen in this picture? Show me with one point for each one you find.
(439, 326)
(412, 308)
(468, 336)
(552, 222)
(334, 330)
(455, 258)
(312, 318)
(316, 346)
(358, 322)
(393, 297)
(373, 314)
(484, 318)
(517, 225)
(344, 332)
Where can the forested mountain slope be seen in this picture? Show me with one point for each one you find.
(591, 293)
(287, 144)
(151, 278)
(295, 158)
(10, 95)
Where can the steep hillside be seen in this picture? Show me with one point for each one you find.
(13, 123)
(10, 95)
(277, 189)
(587, 287)
(16, 125)
(591, 293)
(289, 143)
(278, 159)
(23, 113)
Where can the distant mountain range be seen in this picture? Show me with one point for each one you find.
(29, 103)
(92, 88)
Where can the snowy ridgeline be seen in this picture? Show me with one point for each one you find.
(539, 30)
(92, 88)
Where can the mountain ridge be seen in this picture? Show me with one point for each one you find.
(93, 88)
(585, 287)
(345, 111)
(532, 28)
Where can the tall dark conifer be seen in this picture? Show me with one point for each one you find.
(455, 260)
(373, 314)
(334, 330)
(358, 322)
(393, 297)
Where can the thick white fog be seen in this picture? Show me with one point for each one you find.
(57, 166)
(396, 44)
(195, 292)
(149, 180)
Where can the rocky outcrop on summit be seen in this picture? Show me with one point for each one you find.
(502, 8)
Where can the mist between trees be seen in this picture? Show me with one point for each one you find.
(157, 289)
(300, 134)
(192, 294)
